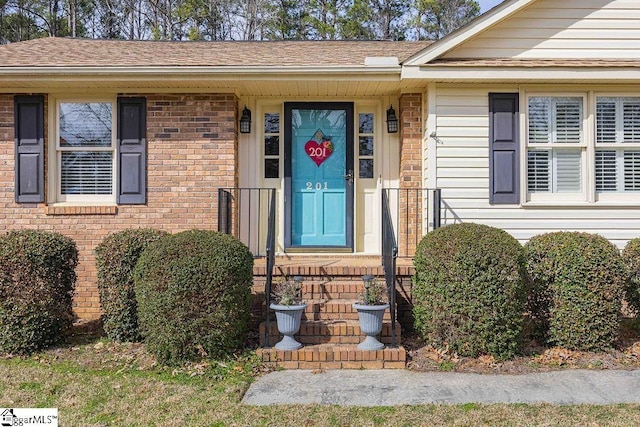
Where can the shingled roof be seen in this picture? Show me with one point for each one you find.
(68, 52)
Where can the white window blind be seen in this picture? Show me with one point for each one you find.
(568, 120)
(606, 170)
(539, 121)
(606, 126)
(85, 172)
(538, 178)
(567, 171)
(631, 170)
(631, 120)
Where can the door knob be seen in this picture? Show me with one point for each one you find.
(349, 176)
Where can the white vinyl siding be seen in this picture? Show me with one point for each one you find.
(461, 171)
(85, 152)
(617, 161)
(564, 29)
(554, 125)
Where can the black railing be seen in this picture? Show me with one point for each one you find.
(243, 212)
(271, 261)
(407, 209)
(389, 255)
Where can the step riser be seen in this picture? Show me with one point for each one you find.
(325, 291)
(329, 334)
(335, 357)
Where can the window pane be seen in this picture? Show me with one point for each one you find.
(539, 120)
(538, 171)
(568, 175)
(272, 123)
(568, 120)
(366, 168)
(366, 146)
(271, 168)
(271, 145)
(631, 119)
(85, 124)
(631, 170)
(606, 170)
(365, 123)
(85, 172)
(606, 120)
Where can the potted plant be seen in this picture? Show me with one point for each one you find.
(288, 308)
(371, 311)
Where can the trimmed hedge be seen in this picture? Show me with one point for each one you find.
(631, 259)
(469, 290)
(194, 293)
(37, 280)
(577, 288)
(116, 258)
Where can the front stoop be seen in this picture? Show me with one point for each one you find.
(330, 330)
(330, 356)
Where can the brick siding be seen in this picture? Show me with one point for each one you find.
(192, 150)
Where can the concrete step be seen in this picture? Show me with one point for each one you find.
(332, 356)
(330, 332)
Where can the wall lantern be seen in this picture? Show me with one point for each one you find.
(392, 120)
(245, 121)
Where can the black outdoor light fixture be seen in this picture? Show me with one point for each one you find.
(245, 121)
(392, 120)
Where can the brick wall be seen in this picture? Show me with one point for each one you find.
(410, 171)
(192, 150)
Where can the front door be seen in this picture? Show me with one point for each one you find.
(319, 176)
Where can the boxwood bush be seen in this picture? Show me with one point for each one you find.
(37, 280)
(577, 288)
(631, 258)
(194, 293)
(116, 258)
(469, 290)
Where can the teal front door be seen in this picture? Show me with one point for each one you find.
(319, 176)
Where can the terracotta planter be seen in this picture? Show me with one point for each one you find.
(371, 324)
(288, 317)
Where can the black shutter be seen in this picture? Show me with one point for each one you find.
(504, 149)
(132, 151)
(29, 148)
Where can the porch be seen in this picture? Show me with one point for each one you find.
(331, 283)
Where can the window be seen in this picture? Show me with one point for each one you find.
(617, 156)
(365, 144)
(272, 145)
(555, 145)
(85, 152)
(97, 152)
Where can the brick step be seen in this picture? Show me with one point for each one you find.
(330, 356)
(334, 310)
(335, 289)
(331, 332)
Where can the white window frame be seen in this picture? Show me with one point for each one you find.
(55, 157)
(618, 146)
(553, 147)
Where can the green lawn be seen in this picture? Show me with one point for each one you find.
(103, 383)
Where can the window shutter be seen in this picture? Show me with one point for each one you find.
(631, 170)
(568, 120)
(504, 147)
(29, 148)
(538, 171)
(631, 120)
(606, 170)
(605, 120)
(132, 151)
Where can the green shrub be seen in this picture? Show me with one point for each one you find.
(37, 280)
(577, 287)
(194, 293)
(469, 290)
(631, 258)
(116, 258)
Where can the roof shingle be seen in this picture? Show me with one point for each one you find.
(67, 52)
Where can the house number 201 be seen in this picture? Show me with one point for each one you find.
(318, 186)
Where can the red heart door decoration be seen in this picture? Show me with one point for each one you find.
(318, 152)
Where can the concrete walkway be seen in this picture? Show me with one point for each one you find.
(401, 387)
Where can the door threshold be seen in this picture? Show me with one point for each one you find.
(318, 250)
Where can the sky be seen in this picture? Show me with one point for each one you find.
(488, 4)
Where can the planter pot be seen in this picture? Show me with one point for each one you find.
(288, 317)
(371, 324)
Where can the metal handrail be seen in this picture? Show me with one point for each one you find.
(271, 261)
(389, 256)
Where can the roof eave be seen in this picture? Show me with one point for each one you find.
(521, 74)
(461, 35)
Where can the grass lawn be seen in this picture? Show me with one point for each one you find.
(100, 383)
